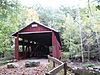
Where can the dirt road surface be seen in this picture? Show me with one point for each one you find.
(21, 70)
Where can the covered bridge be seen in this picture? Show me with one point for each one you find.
(37, 40)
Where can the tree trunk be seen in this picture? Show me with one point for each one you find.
(81, 43)
(88, 53)
(97, 38)
(80, 30)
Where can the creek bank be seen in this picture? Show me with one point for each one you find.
(79, 69)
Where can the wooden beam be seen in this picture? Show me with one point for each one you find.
(17, 47)
(23, 47)
(58, 68)
(57, 61)
(54, 64)
(55, 70)
(65, 68)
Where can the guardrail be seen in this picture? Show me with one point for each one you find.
(60, 66)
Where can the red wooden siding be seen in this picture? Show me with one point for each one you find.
(35, 29)
(16, 47)
(56, 45)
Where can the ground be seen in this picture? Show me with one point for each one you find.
(21, 70)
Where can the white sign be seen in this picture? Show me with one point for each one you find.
(34, 25)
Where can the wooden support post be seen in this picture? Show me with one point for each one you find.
(23, 48)
(17, 47)
(53, 64)
(58, 68)
(65, 68)
(48, 58)
(25, 51)
(23, 45)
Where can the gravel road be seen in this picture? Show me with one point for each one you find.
(21, 70)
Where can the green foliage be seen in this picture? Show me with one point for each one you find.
(65, 56)
(10, 21)
(98, 7)
(65, 20)
(88, 65)
(3, 62)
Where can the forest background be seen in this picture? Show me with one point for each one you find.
(79, 27)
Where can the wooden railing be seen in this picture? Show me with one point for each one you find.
(60, 66)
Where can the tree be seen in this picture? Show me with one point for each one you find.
(11, 19)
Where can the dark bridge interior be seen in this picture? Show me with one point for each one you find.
(35, 44)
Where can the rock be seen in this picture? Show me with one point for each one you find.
(32, 63)
(12, 65)
(13, 60)
(75, 68)
(90, 68)
(96, 68)
(27, 64)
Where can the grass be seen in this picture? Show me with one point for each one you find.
(3, 62)
(88, 65)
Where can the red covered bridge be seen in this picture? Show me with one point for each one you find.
(37, 40)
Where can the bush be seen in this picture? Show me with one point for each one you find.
(65, 56)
